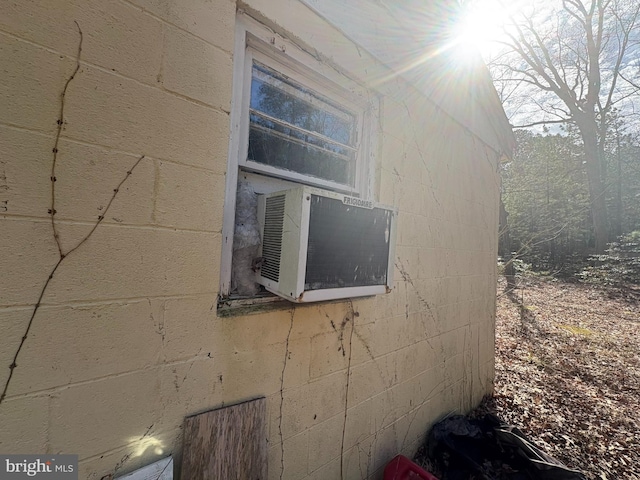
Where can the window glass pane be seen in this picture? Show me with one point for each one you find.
(296, 135)
(271, 149)
(296, 129)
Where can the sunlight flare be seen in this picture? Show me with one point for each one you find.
(481, 27)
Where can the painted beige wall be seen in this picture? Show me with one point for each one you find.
(127, 340)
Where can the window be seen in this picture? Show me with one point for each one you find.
(295, 120)
(293, 128)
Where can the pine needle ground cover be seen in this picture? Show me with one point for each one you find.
(568, 373)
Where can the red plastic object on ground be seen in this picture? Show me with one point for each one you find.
(401, 468)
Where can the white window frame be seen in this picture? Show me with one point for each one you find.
(253, 40)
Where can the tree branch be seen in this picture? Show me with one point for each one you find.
(533, 124)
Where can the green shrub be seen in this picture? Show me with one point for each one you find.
(620, 265)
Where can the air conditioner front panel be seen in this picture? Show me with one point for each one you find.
(348, 246)
(319, 245)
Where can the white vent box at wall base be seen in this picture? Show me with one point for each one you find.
(319, 245)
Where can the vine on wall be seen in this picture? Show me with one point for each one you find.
(62, 254)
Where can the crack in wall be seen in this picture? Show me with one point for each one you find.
(349, 318)
(284, 367)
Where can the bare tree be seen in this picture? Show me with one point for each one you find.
(572, 62)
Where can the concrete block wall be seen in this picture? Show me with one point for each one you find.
(127, 340)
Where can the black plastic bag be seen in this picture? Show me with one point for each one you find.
(490, 449)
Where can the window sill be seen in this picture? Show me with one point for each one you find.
(239, 306)
(265, 302)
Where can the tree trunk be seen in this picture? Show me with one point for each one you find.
(596, 185)
(505, 246)
(618, 225)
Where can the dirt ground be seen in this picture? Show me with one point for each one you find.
(568, 373)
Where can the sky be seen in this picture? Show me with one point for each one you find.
(486, 24)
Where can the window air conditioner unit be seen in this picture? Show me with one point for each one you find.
(319, 245)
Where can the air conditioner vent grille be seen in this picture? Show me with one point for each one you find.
(272, 237)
